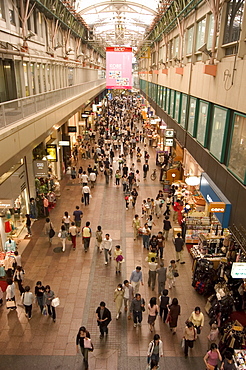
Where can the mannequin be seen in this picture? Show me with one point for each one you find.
(10, 245)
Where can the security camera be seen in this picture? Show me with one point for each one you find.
(204, 50)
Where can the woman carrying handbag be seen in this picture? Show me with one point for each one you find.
(83, 340)
(190, 335)
(49, 295)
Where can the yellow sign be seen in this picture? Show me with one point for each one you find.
(51, 152)
(216, 207)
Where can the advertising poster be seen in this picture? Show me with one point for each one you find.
(51, 152)
(118, 68)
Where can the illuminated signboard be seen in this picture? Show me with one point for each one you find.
(40, 168)
(218, 207)
(238, 270)
(168, 142)
(51, 152)
(64, 143)
(169, 133)
(118, 68)
(6, 203)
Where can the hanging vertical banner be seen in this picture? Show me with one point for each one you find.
(118, 68)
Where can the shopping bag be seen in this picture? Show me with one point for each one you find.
(44, 312)
(10, 304)
(183, 343)
(88, 344)
(69, 238)
(55, 302)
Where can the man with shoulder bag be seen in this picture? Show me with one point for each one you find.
(137, 308)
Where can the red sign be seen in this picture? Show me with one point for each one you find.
(119, 49)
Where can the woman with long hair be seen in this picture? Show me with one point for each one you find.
(83, 340)
(153, 312)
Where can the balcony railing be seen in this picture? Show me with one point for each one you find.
(15, 110)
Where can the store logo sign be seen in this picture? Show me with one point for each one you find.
(6, 203)
(216, 207)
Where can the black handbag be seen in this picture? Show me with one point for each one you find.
(51, 233)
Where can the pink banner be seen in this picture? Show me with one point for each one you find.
(118, 68)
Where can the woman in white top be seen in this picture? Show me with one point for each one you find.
(10, 292)
(197, 319)
(27, 299)
(155, 349)
(66, 220)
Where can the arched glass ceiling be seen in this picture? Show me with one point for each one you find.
(120, 22)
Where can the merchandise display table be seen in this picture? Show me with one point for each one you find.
(240, 359)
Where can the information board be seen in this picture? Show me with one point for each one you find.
(118, 68)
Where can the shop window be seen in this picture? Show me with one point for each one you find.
(233, 21)
(176, 47)
(39, 80)
(202, 122)
(172, 96)
(29, 25)
(32, 78)
(237, 158)
(41, 25)
(210, 31)
(2, 10)
(218, 132)
(160, 96)
(12, 16)
(155, 92)
(25, 71)
(190, 33)
(35, 21)
(200, 33)
(70, 76)
(167, 100)
(183, 110)
(177, 103)
(164, 94)
(192, 114)
(170, 56)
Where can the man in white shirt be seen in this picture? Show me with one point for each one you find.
(86, 194)
(107, 246)
(84, 179)
(128, 296)
(93, 178)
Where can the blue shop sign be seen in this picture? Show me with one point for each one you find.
(212, 193)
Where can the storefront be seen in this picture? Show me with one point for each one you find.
(47, 172)
(14, 203)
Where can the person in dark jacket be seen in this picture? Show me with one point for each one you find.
(166, 226)
(103, 318)
(28, 224)
(137, 308)
(145, 169)
(174, 312)
(83, 340)
(179, 246)
(39, 293)
(164, 303)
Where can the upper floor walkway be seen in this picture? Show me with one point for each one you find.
(27, 120)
